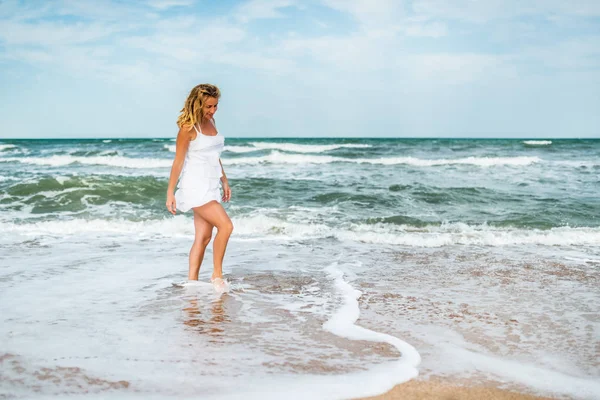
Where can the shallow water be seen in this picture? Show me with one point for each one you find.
(480, 258)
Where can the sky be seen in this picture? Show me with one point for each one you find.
(294, 68)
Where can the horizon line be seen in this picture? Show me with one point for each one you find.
(315, 137)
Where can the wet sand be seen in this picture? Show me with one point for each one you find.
(436, 390)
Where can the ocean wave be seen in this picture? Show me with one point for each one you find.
(232, 149)
(537, 142)
(306, 148)
(281, 158)
(578, 163)
(90, 193)
(113, 161)
(423, 236)
(240, 149)
(463, 234)
(273, 228)
(107, 141)
(6, 146)
(178, 225)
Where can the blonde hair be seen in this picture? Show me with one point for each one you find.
(191, 113)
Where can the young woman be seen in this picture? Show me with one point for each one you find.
(198, 168)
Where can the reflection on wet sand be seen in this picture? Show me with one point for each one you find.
(208, 319)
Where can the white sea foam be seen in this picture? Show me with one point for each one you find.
(6, 146)
(479, 161)
(106, 141)
(240, 149)
(584, 260)
(109, 153)
(281, 158)
(463, 234)
(291, 147)
(533, 376)
(343, 323)
(264, 228)
(233, 149)
(307, 148)
(469, 357)
(113, 161)
(431, 236)
(376, 380)
(537, 142)
(177, 226)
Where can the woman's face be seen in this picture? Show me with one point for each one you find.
(210, 107)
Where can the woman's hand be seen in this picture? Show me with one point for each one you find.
(226, 190)
(171, 204)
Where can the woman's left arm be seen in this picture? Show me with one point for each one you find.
(225, 184)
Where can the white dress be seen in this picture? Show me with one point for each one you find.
(199, 182)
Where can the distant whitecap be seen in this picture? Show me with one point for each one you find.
(113, 161)
(6, 146)
(281, 158)
(307, 148)
(537, 142)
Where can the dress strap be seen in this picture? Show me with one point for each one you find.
(199, 132)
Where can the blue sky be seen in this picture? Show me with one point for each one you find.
(287, 68)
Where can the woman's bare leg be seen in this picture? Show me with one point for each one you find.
(203, 234)
(215, 215)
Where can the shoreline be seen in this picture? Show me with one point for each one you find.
(440, 390)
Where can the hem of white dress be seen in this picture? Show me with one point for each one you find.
(188, 208)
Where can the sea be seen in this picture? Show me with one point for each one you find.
(354, 265)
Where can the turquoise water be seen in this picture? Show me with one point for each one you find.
(501, 183)
(481, 254)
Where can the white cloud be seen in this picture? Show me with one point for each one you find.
(15, 10)
(484, 11)
(262, 9)
(105, 11)
(165, 4)
(387, 18)
(129, 39)
(567, 55)
(253, 61)
(458, 69)
(357, 52)
(186, 44)
(46, 34)
(134, 43)
(421, 29)
(370, 14)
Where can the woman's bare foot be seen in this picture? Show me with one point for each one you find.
(220, 285)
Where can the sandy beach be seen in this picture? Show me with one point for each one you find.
(355, 264)
(438, 390)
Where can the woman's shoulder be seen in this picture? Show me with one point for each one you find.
(186, 131)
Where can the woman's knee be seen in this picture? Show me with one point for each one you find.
(226, 227)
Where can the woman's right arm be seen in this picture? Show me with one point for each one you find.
(181, 148)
